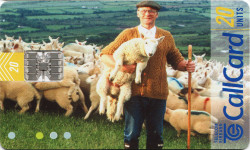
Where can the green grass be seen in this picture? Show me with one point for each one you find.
(55, 17)
(22, 29)
(95, 133)
(110, 17)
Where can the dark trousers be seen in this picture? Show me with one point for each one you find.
(138, 109)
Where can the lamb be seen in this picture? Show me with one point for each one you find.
(201, 121)
(200, 102)
(199, 59)
(55, 44)
(18, 46)
(80, 43)
(118, 84)
(86, 68)
(94, 97)
(73, 53)
(77, 48)
(8, 38)
(90, 68)
(174, 85)
(5, 48)
(71, 80)
(85, 86)
(176, 102)
(217, 104)
(20, 91)
(59, 95)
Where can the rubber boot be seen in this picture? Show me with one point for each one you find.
(131, 145)
(154, 145)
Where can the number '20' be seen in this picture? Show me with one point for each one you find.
(222, 15)
(14, 66)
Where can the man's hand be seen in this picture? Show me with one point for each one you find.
(110, 62)
(190, 66)
(184, 65)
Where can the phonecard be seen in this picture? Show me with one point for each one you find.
(50, 65)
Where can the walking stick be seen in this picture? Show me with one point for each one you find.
(189, 96)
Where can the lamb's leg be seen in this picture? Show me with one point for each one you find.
(1, 105)
(102, 103)
(178, 131)
(93, 106)
(111, 108)
(65, 104)
(38, 100)
(23, 103)
(102, 90)
(69, 110)
(72, 87)
(82, 99)
(192, 133)
(139, 68)
(24, 107)
(118, 65)
(125, 94)
(1, 102)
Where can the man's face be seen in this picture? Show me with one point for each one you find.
(147, 15)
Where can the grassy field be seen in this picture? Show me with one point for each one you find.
(95, 133)
(89, 20)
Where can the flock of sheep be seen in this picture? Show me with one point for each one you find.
(83, 69)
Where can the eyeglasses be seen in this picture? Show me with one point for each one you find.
(151, 12)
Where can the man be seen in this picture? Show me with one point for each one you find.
(148, 100)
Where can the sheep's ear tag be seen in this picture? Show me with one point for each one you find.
(34, 66)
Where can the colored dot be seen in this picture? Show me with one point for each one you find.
(53, 135)
(11, 135)
(39, 135)
(67, 135)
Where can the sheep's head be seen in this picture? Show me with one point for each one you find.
(167, 114)
(151, 45)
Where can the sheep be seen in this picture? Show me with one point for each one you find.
(72, 53)
(59, 95)
(86, 68)
(94, 97)
(55, 44)
(85, 86)
(201, 121)
(9, 38)
(77, 48)
(71, 80)
(80, 43)
(174, 85)
(205, 81)
(199, 59)
(137, 50)
(18, 46)
(175, 101)
(212, 105)
(5, 48)
(20, 91)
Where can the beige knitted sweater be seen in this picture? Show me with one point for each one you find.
(154, 77)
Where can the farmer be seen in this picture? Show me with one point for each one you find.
(148, 100)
